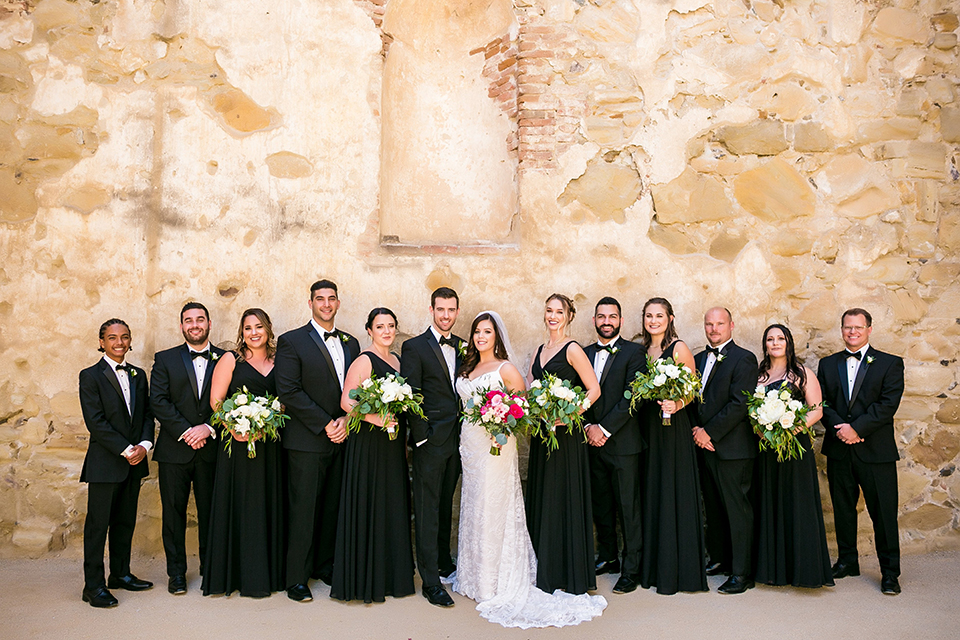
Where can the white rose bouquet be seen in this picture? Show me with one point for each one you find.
(664, 380)
(777, 417)
(551, 400)
(246, 414)
(386, 396)
(501, 413)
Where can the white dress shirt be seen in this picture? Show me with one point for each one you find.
(712, 361)
(449, 354)
(200, 366)
(124, 379)
(335, 347)
(599, 363)
(853, 366)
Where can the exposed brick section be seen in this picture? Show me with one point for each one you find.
(500, 68)
(376, 9)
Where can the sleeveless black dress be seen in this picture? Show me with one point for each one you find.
(245, 550)
(559, 511)
(673, 552)
(791, 541)
(374, 556)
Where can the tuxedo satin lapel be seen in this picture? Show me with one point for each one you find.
(323, 350)
(191, 372)
(607, 366)
(133, 392)
(439, 353)
(861, 374)
(844, 385)
(347, 356)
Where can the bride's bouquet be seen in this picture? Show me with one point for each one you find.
(390, 395)
(664, 380)
(501, 413)
(777, 417)
(245, 414)
(552, 400)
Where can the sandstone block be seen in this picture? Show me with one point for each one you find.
(940, 90)
(948, 231)
(790, 242)
(775, 192)
(899, 27)
(915, 159)
(910, 486)
(945, 41)
(33, 536)
(913, 407)
(691, 197)
(762, 138)
(286, 164)
(811, 137)
(907, 305)
(945, 21)
(950, 124)
(892, 270)
(927, 379)
(821, 312)
(949, 412)
(921, 240)
(34, 431)
(672, 238)
(926, 518)
(86, 198)
(934, 452)
(727, 246)
(889, 129)
(927, 192)
(605, 188)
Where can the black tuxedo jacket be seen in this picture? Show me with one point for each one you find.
(112, 428)
(423, 366)
(308, 387)
(876, 397)
(722, 410)
(177, 405)
(612, 410)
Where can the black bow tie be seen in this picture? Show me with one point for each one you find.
(125, 367)
(715, 351)
(448, 341)
(605, 347)
(329, 334)
(200, 354)
(854, 354)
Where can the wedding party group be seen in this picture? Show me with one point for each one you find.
(307, 455)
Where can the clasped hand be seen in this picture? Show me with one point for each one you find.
(337, 430)
(847, 434)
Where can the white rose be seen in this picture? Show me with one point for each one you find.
(586, 404)
(275, 405)
(366, 384)
(760, 391)
(794, 405)
(659, 380)
(542, 400)
(535, 384)
(770, 411)
(242, 426)
(240, 400)
(672, 371)
(784, 395)
(407, 390)
(786, 420)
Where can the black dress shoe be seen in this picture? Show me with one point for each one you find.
(438, 596)
(99, 598)
(608, 566)
(299, 593)
(446, 572)
(177, 585)
(736, 584)
(129, 582)
(625, 584)
(842, 570)
(716, 569)
(889, 586)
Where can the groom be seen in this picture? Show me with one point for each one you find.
(429, 362)
(616, 445)
(862, 388)
(310, 366)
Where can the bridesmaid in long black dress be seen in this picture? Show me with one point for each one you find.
(792, 543)
(559, 512)
(245, 549)
(373, 557)
(673, 551)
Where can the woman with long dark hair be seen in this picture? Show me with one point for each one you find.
(791, 542)
(245, 551)
(673, 553)
(374, 557)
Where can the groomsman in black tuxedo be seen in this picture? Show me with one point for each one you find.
(730, 446)
(186, 451)
(310, 365)
(616, 445)
(429, 362)
(115, 402)
(862, 388)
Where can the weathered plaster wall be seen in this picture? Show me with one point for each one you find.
(787, 160)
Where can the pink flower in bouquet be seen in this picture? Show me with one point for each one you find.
(516, 411)
(495, 393)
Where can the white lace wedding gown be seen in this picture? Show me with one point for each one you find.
(496, 565)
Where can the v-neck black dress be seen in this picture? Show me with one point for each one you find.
(559, 511)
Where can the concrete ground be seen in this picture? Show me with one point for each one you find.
(41, 599)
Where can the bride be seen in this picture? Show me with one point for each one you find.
(496, 565)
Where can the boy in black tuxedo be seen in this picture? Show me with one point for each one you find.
(862, 388)
(115, 402)
(186, 451)
(429, 362)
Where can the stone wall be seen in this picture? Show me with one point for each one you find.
(787, 160)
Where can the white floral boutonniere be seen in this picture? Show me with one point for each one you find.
(614, 350)
(214, 356)
(869, 359)
(344, 337)
(462, 349)
(721, 358)
(133, 373)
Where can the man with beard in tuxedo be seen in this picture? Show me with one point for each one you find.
(862, 388)
(310, 366)
(115, 402)
(186, 451)
(728, 442)
(429, 363)
(616, 445)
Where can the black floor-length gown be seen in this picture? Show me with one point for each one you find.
(791, 540)
(245, 550)
(559, 511)
(374, 556)
(673, 555)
